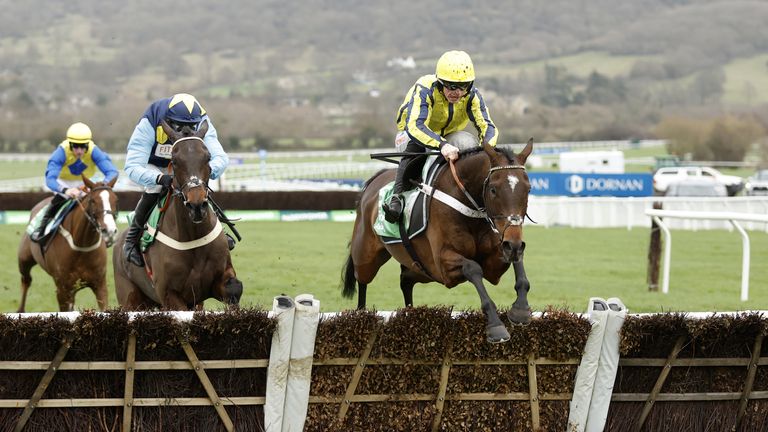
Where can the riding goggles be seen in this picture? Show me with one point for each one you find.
(178, 126)
(83, 146)
(464, 86)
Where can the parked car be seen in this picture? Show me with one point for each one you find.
(665, 176)
(696, 187)
(758, 183)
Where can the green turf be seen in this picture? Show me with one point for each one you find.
(565, 266)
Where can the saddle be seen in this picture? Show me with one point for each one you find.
(53, 225)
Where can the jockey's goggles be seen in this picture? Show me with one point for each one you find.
(464, 86)
(83, 146)
(178, 126)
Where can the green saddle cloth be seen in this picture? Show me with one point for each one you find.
(154, 218)
(384, 228)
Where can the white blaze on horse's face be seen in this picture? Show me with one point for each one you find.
(512, 182)
(109, 220)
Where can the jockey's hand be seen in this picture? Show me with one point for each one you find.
(165, 180)
(73, 192)
(450, 152)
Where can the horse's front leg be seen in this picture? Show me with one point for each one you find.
(454, 267)
(520, 312)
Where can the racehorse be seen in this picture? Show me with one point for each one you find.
(460, 243)
(76, 255)
(189, 260)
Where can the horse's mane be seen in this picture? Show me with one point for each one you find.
(509, 153)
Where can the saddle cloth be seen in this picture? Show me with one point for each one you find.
(416, 211)
(53, 225)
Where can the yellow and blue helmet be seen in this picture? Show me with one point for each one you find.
(184, 108)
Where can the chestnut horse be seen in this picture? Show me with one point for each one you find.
(76, 255)
(189, 260)
(478, 238)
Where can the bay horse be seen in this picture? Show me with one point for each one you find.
(480, 241)
(76, 255)
(189, 260)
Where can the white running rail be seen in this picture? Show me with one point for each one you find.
(731, 217)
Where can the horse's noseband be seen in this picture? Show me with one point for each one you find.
(193, 182)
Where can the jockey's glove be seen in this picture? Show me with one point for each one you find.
(449, 151)
(72, 192)
(165, 180)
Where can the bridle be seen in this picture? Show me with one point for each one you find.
(193, 181)
(510, 220)
(90, 217)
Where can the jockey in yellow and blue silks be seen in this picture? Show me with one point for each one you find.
(149, 155)
(75, 157)
(434, 107)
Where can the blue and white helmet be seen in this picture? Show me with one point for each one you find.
(184, 108)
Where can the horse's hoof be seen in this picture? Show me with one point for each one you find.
(497, 334)
(519, 316)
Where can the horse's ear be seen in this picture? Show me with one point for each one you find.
(112, 182)
(523, 155)
(491, 152)
(203, 129)
(88, 183)
(169, 130)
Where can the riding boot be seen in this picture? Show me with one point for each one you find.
(394, 208)
(140, 216)
(53, 207)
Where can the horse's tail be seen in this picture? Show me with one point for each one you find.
(348, 278)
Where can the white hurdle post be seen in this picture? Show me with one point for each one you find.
(731, 217)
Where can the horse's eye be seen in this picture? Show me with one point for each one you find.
(492, 190)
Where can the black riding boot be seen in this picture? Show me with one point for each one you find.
(394, 208)
(56, 202)
(140, 216)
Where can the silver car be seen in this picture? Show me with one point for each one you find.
(758, 183)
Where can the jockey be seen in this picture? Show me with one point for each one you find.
(149, 156)
(75, 157)
(434, 107)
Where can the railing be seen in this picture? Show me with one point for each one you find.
(731, 217)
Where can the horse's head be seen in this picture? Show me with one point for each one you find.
(505, 193)
(189, 159)
(100, 207)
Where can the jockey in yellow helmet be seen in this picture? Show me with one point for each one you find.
(75, 157)
(435, 106)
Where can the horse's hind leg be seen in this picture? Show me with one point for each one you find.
(26, 262)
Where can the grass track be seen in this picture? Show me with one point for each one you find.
(565, 266)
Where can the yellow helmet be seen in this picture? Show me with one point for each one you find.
(455, 66)
(79, 133)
